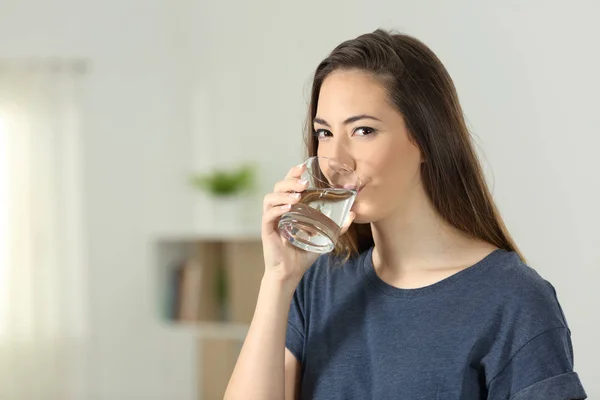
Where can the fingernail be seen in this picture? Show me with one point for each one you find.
(295, 195)
(300, 165)
(303, 181)
(286, 206)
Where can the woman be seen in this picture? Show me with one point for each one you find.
(434, 300)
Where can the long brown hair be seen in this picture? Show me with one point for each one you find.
(420, 87)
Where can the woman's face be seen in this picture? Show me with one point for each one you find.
(357, 125)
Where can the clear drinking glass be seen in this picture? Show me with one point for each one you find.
(314, 223)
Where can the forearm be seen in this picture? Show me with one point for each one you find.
(259, 371)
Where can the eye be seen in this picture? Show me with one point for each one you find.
(322, 133)
(364, 131)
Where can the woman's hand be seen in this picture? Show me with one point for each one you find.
(283, 260)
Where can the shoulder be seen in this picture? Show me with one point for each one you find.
(530, 354)
(328, 266)
(519, 304)
(328, 271)
(522, 287)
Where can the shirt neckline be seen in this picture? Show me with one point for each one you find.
(389, 290)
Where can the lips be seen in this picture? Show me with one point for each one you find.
(363, 185)
(352, 187)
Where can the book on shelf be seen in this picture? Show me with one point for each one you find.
(190, 289)
(171, 304)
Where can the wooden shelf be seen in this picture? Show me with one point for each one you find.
(211, 330)
(194, 270)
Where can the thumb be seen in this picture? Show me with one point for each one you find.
(348, 222)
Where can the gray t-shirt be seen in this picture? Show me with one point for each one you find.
(492, 331)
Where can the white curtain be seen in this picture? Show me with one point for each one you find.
(43, 309)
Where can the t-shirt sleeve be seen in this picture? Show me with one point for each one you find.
(297, 326)
(540, 369)
(294, 338)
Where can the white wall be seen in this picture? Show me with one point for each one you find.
(136, 149)
(525, 74)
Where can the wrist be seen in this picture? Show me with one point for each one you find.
(285, 284)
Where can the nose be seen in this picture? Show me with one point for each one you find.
(340, 151)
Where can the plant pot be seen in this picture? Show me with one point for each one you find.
(225, 214)
(230, 213)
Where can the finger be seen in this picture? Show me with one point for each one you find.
(291, 185)
(277, 199)
(271, 216)
(348, 222)
(296, 172)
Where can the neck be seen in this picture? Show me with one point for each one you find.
(415, 239)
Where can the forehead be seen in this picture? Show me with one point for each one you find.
(354, 92)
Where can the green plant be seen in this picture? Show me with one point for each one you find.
(226, 183)
(222, 291)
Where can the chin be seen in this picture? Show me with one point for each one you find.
(369, 210)
(361, 221)
(363, 216)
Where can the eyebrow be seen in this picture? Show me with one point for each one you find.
(348, 120)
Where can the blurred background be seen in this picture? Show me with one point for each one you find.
(137, 139)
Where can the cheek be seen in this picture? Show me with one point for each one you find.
(397, 166)
(393, 175)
